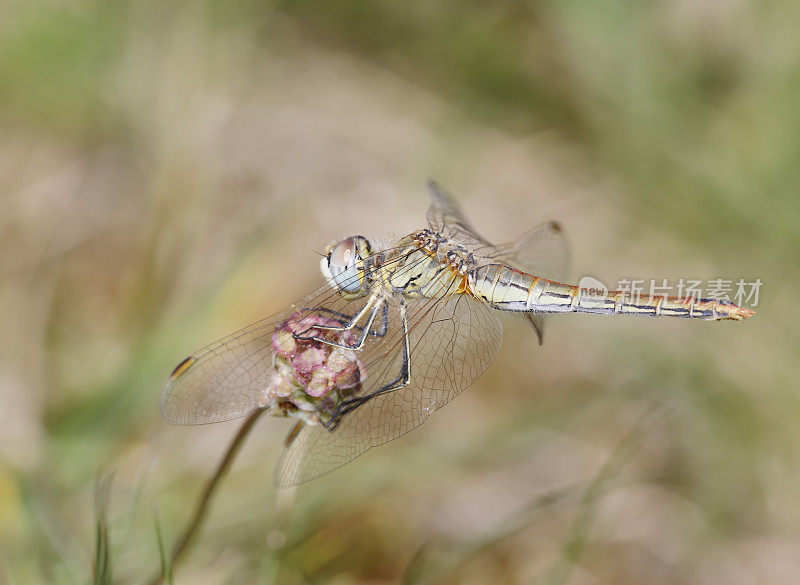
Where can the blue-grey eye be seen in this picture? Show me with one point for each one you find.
(345, 264)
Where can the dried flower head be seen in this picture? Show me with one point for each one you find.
(310, 377)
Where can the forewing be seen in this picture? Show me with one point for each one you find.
(452, 342)
(542, 251)
(223, 380)
(445, 217)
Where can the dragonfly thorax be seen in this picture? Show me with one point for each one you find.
(447, 252)
(430, 266)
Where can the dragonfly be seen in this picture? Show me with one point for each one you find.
(395, 333)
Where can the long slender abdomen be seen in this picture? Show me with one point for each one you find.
(508, 289)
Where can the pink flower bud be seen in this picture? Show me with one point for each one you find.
(310, 377)
(309, 360)
(283, 342)
(321, 383)
(346, 367)
(282, 385)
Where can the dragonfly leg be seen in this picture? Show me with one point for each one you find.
(402, 379)
(351, 320)
(373, 306)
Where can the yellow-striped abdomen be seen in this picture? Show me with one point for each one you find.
(508, 289)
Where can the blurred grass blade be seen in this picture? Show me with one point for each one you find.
(102, 552)
(578, 535)
(414, 568)
(189, 533)
(166, 566)
(425, 569)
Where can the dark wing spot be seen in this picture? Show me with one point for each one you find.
(182, 367)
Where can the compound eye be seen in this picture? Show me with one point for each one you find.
(344, 265)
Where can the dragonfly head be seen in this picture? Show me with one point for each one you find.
(343, 265)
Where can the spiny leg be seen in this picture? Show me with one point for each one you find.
(401, 380)
(345, 318)
(373, 312)
(353, 320)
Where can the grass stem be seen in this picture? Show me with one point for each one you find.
(201, 509)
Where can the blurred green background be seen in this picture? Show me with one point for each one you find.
(168, 172)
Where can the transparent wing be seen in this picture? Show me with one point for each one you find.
(542, 251)
(445, 216)
(416, 357)
(451, 341)
(223, 380)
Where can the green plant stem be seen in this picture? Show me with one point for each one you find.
(185, 539)
(575, 544)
